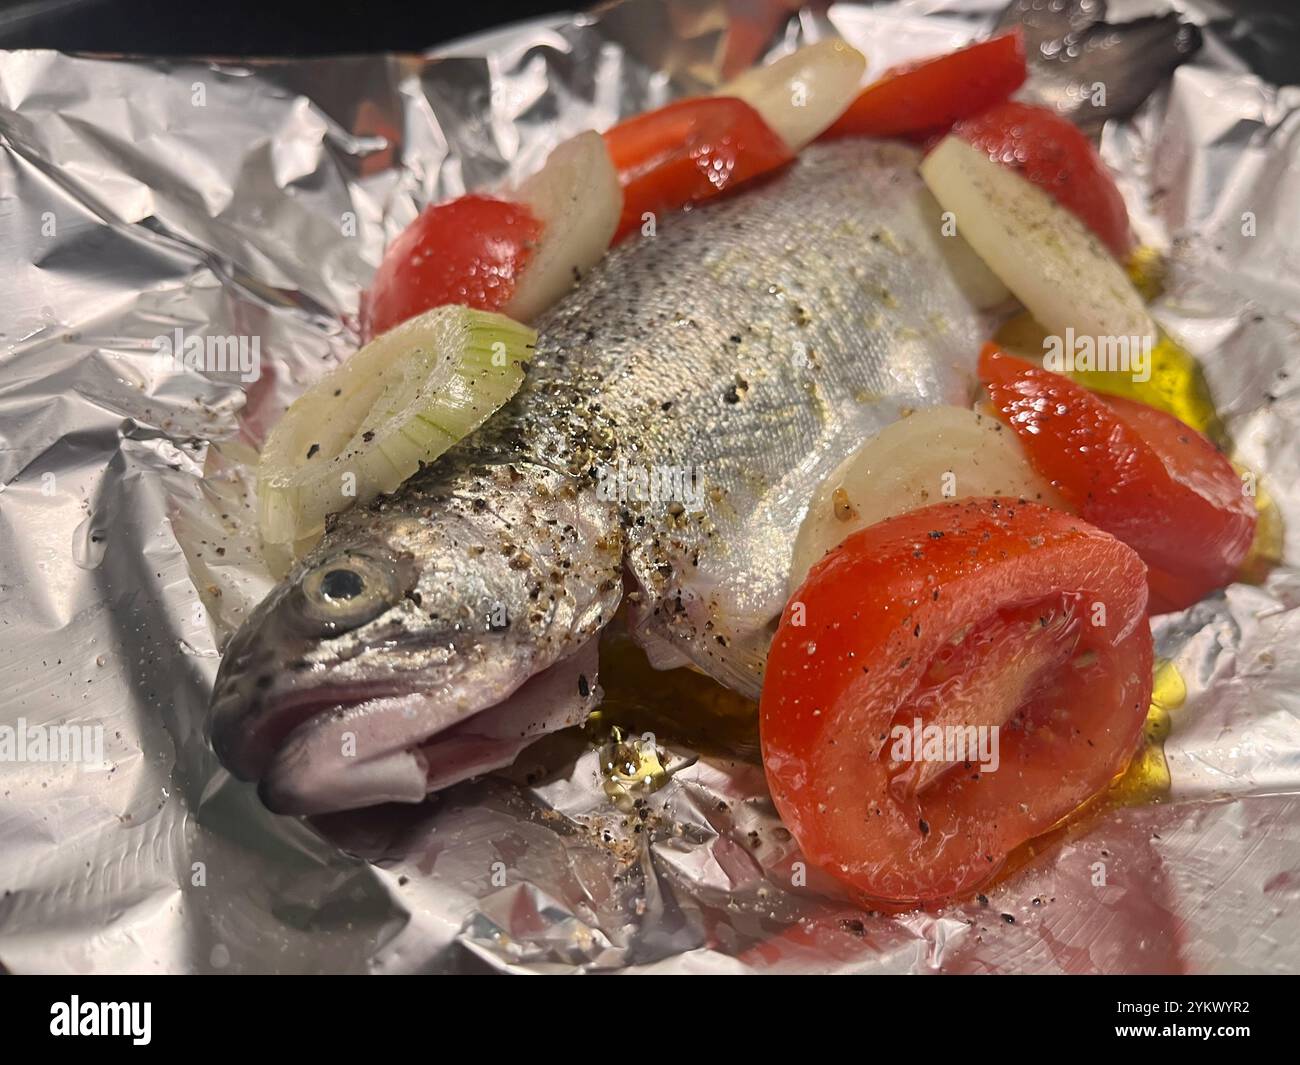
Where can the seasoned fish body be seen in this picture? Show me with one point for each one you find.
(753, 345)
(682, 404)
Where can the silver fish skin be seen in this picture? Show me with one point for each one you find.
(681, 406)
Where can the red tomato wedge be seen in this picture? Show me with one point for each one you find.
(1055, 155)
(1137, 472)
(925, 97)
(689, 151)
(977, 612)
(469, 251)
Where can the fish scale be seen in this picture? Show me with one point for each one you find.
(750, 344)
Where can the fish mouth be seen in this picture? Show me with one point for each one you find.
(332, 761)
(248, 728)
(330, 747)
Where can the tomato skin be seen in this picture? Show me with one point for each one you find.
(877, 612)
(1055, 155)
(467, 251)
(1137, 472)
(926, 97)
(689, 151)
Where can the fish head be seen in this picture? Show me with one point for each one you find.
(367, 674)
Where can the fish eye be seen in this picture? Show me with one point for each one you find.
(339, 584)
(347, 591)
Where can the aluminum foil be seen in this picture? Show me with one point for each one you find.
(249, 198)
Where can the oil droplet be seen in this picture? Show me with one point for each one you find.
(1147, 268)
(677, 704)
(630, 764)
(1147, 777)
(1176, 386)
(1266, 549)
(89, 542)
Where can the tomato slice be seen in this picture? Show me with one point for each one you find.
(689, 151)
(1054, 154)
(926, 97)
(1137, 472)
(469, 251)
(978, 612)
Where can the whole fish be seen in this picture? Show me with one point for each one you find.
(681, 406)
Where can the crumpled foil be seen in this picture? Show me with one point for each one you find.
(254, 198)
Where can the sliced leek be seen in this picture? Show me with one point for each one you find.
(402, 400)
(801, 94)
(1048, 259)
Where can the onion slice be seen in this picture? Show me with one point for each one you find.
(933, 455)
(577, 198)
(402, 400)
(801, 94)
(1050, 261)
